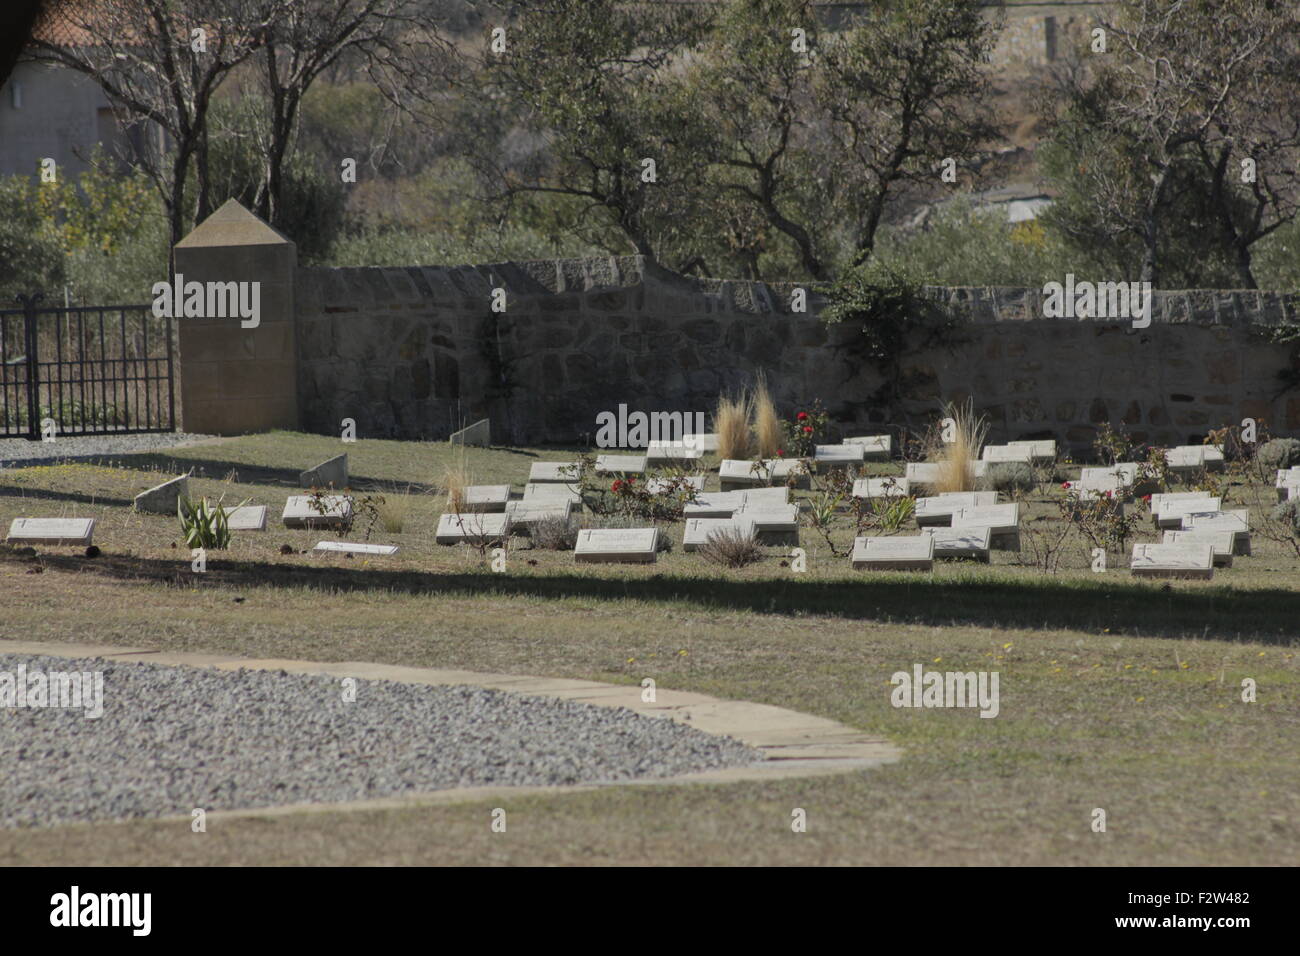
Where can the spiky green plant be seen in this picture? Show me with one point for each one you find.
(204, 525)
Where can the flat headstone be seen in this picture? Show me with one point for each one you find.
(328, 474)
(1193, 457)
(563, 472)
(163, 499)
(1160, 498)
(763, 497)
(704, 441)
(881, 488)
(697, 530)
(1172, 561)
(1040, 449)
(486, 497)
(768, 517)
(620, 464)
(874, 447)
(71, 531)
(247, 518)
(1236, 521)
(335, 512)
(480, 433)
(839, 455)
(1287, 483)
(658, 486)
(922, 472)
(961, 542)
(524, 514)
(1006, 453)
(939, 509)
(630, 545)
(894, 554)
(1223, 543)
(357, 547)
(552, 494)
(1002, 520)
(473, 527)
(930, 473)
(739, 472)
(672, 451)
(715, 504)
(1170, 514)
(1120, 473)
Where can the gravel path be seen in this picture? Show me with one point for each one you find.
(175, 738)
(19, 452)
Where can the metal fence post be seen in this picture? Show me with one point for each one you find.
(33, 366)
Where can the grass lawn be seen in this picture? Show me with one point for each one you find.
(1115, 693)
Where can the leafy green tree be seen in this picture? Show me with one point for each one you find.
(579, 104)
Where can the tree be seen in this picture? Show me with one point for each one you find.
(394, 42)
(1184, 89)
(161, 61)
(904, 90)
(578, 104)
(805, 120)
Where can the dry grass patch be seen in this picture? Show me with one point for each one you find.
(767, 424)
(731, 422)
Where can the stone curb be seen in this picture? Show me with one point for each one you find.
(794, 744)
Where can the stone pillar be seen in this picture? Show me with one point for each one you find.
(235, 380)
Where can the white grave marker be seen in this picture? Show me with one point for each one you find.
(620, 464)
(564, 472)
(525, 514)
(1223, 543)
(359, 547)
(894, 554)
(486, 497)
(472, 528)
(874, 447)
(698, 530)
(961, 542)
(334, 511)
(1170, 514)
(881, 488)
(56, 531)
(627, 545)
(1172, 561)
(247, 518)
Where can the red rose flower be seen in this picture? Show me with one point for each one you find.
(807, 429)
(802, 416)
(1065, 484)
(617, 486)
(780, 453)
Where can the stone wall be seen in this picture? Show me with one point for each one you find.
(415, 352)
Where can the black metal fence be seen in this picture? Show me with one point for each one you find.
(91, 370)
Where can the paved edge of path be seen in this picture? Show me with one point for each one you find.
(794, 744)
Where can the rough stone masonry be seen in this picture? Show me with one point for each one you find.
(418, 352)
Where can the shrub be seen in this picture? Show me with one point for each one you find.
(1008, 476)
(1279, 453)
(455, 479)
(1287, 514)
(731, 548)
(731, 422)
(803, 431)
(767, 424)
(555, 533)
(957, 458)
(392, 510)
